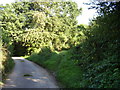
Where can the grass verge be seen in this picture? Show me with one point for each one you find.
(8, 66)
(66, 72)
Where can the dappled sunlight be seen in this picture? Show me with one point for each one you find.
(29, 75)
(48, 34)
(9, 80)
(17, 58)
(36, 80)
(9, 85)
(44, 77)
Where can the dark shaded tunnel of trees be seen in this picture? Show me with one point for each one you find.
(19, 49)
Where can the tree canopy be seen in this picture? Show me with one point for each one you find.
(48, 31)
(38, 24)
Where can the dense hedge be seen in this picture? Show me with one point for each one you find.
(7, 63)
(80, 56)
(95, 59)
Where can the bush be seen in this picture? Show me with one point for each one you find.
(7, 63)
(65, 70)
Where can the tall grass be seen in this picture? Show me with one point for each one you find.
(66, 72)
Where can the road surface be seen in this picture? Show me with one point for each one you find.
(27, 74)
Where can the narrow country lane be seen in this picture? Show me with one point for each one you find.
(27, 74)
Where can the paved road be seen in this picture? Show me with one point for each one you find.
(27, 74)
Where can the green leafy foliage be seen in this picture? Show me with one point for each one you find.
(98, 55)
(80, 56)
(7, 63)
(65, 70)
(40, 24)
(94, 62)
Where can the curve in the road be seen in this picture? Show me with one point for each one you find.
(27, 74)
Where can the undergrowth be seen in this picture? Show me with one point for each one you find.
(66, 71)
